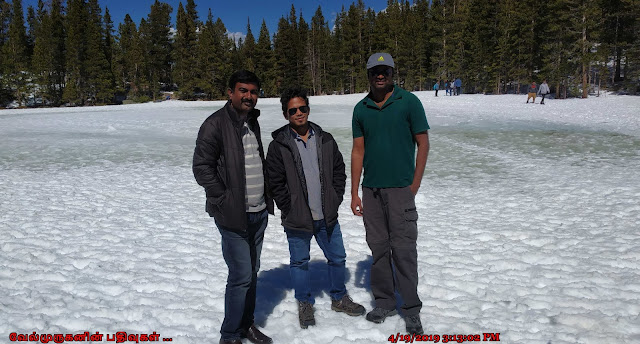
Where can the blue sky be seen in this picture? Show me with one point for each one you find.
(234, 14)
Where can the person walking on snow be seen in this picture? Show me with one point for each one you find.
(436, 86)
(544, 90)
(531, 92)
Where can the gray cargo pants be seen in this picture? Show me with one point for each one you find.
(390, 221)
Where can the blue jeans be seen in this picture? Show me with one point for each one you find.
(333, 249)
(241, 252)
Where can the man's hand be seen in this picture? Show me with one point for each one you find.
(356, 205)
(414, 188)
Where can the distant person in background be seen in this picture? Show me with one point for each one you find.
(436, 86)
(544, 90)
(446, 88)
(531, 92)
(387, 125)
(307, 180)
(458, 84)
(228, 162)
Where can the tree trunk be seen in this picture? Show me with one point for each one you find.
(585, 69)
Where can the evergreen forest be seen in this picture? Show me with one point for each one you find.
(69, 52)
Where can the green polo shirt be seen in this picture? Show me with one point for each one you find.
(389, 148)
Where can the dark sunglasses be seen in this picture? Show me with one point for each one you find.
(376, 72)
(303, 109)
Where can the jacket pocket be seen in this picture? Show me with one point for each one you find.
(332, 205)
(217, 202)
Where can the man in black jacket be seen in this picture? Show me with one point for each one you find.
(307, 180)
(229, 163)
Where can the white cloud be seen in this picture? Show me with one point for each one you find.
(236, 36)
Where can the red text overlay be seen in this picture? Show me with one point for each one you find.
(444, 338)
(118, 337)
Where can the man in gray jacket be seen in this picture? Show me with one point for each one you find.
(307, 179)
(228, 162)
(544, 90)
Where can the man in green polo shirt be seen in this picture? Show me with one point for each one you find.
(387, 125)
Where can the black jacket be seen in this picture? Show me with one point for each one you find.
(218, 165)
(288, 185)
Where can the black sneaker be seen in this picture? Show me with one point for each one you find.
(413, 324)
(347, 305)
(377, 315)
(305, 314)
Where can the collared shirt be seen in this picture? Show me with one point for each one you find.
(388, 131)
(309, 157)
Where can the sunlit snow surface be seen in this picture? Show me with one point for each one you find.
(529, 224)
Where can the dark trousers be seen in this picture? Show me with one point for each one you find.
(241, 251)
(390, 220)
(436, 92)
(543, 95)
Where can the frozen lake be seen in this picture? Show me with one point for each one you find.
(529, 219)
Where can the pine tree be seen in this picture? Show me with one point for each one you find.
(109, 48)
(214, 58)
(338, 69)
(15, 57)
(99, 76)
(130, 62)
(265, 62)
(236, 58)
(585, 17)
(226, 54)
(186, 40)
(206, 61)
(632, 47)
(49, 58)
(5, 19)
(75, 90)
(507, 29)
(480, 72)
(41, 60)
(319, 45)
(155, 33)
(418, 33)
(289, 55)
(394, 23)
(304, 61)
(247, 52)
(558, 48)
(5, 93)
(33, 22)
(439, 38)
(352, 39)
(618, 33)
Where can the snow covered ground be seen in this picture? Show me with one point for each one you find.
(529, 225)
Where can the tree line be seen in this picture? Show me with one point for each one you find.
(70, 52)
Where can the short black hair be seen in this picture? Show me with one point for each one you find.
(290, 93)
(244, 76)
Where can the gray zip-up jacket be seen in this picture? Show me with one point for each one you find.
(287, 181)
